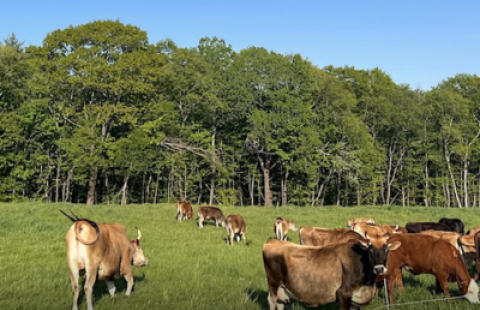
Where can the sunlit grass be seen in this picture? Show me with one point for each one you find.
(190, 268)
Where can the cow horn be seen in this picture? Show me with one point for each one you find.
(139, 233)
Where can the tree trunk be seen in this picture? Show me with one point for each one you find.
(91, 186)
(465, 182)
(284, 188)
(339, 191)
(452, 178)
(265, 165)
(67, 196)
(125, 190)
(156, 188)
(214, 168)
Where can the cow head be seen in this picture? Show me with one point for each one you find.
(138, 258)
(470, 291)
(377, 249)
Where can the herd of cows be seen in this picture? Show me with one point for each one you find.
(341, 264)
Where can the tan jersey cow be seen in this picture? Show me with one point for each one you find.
(236, 227)
(368, 220)
(184, 210)
(324, 236)
(281, 228)
(320, 275)
(210, 213)
(374, 230)
(104, 252)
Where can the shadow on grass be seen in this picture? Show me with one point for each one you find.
(260, 298)
(100, 289)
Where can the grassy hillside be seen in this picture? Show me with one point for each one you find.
(190, 268)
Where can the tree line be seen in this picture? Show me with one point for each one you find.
(98, 114)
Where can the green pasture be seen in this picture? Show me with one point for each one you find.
(190, 268)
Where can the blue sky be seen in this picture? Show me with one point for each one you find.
(417, 42)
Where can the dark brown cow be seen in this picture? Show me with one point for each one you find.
(319, 275)
(207, 213)
(456, 225)
(235, 227)
(184, 210)
(420, 254)
(104, 252)
(281, 227)
(416, 227)
(323, 236)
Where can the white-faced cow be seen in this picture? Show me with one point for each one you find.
(320, 275)
(281, 228)
(236, 227)
(210, 213)
(104, 252)
(184, 210)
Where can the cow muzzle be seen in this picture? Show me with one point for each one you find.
(379, 269)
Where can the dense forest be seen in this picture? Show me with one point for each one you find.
(98, 114)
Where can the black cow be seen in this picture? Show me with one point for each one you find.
(455, 224)
(416, 227)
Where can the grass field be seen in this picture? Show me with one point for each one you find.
(190, 268)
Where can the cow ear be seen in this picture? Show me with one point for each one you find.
(394, 245)
(363, 243)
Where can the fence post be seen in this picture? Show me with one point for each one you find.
(385, 286)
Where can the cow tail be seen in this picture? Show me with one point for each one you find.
(279, 230)
(477, 255)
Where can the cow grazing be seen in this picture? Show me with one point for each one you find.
(281, 228)
(236, 227)
(416, 227)
(317, 236)
(368, 220)
(373, 230)
(422, 254)
(184, 210)
(104, 252)
(319, 275)
(473, 231)
(210, 213)
(456, 225)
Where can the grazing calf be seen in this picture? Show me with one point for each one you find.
(281, 228)
(368, 220)
(456, 225)
(422, 254)
(104, 252)
(184, 210)
(320, 275)
(210, 213)
(317, 236)
(235, 228)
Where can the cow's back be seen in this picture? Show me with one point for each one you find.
(317, 236)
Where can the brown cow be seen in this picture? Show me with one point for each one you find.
(104, 252)
(210, 213)
(368, 220)
(184, 210)
(473, 231)
(235, 227)
(281, 228)
(319, 275)
(323, 236)
(421, 254)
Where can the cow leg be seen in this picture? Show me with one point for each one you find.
(442, 284)
(74, 275)
(399, 280)
(129, 278)
(391, 285)
(345, 303)
(91, 275)
(111, 287)
(244, 237)
(200, 221)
